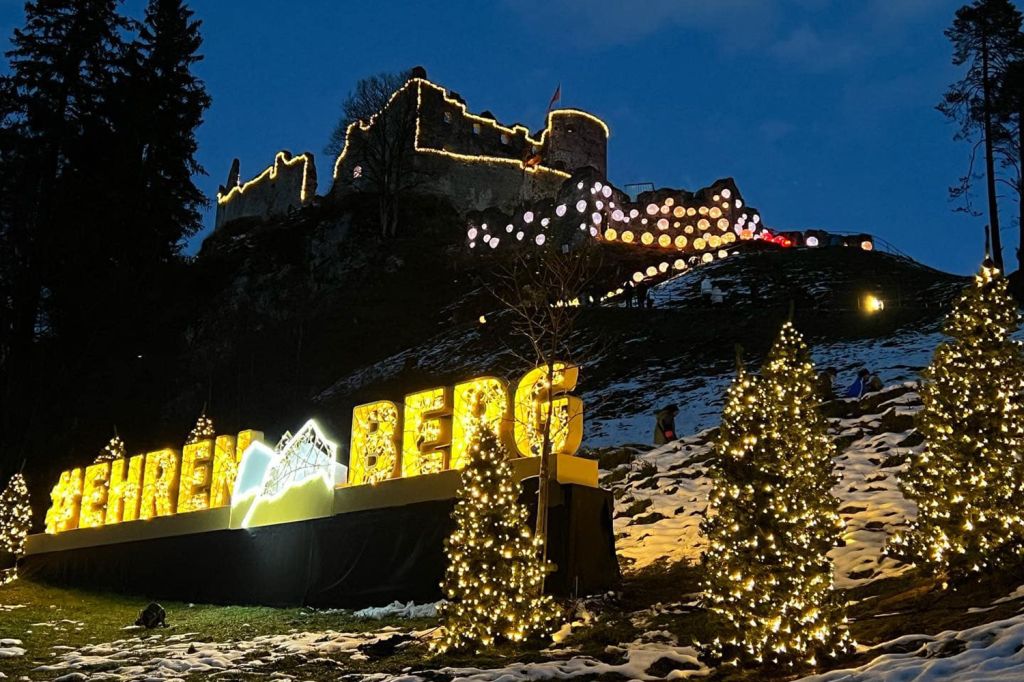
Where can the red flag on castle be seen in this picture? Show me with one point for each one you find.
(555, 98)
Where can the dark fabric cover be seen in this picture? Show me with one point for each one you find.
(352, 560)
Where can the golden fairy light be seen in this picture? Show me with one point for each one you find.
(772, 519)
(967, 482)
(492, 585)
(15, 520)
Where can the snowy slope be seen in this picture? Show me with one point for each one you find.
(662, 494)
(897, 358)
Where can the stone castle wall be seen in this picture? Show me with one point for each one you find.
(469, 159)
(287, 185)
(476, 162)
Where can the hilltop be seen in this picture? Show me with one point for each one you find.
(906, 625)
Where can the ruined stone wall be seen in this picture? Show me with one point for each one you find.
(446, 125)
(476, 162)
(288, 184)
(576, 140)
(476, 186)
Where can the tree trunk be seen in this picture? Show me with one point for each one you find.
(1020, 191)
(546, 474)
(990, 171)
(382, 214)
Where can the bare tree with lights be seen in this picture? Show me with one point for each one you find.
(772, 519)
(494, 575)
(542, 288)
(385, 149)
(968, 481)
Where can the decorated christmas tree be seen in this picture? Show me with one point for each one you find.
(112, 451)
(15, 515)
(967, 481)
(202, 430)
(493, 581)
(15, 520)
(772, 519)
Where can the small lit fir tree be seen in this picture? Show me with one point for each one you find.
(493, 582)
(967, 481)
(15, 521)
(15, 515)
(113, 450)
(772, 519)
(203, 430)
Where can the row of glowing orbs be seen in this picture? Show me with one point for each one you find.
(678, 264)
(665, 241)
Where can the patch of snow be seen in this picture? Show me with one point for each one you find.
(663, 497)
(993, 652)
(1016, 594)
(397, 609)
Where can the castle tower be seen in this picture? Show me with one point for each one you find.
(576, 139)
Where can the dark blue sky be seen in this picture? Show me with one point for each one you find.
(822, 111)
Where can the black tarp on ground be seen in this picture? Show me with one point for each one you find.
(352, 560)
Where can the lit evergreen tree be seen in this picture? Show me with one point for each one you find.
(772, 518)
(15, 515)
(967, 482)
(494, 576)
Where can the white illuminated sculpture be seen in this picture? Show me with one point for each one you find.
(294, 481)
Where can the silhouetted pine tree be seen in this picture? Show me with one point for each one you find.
(986, 37)
(175, 99)
(61, 66)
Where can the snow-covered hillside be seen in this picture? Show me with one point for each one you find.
(896, 358)
(662, 494)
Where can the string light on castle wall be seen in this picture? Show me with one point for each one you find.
(281, 160)
(419, 146)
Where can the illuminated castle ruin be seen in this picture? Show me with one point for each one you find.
(287, 185)
(470, 159)
(514, 187)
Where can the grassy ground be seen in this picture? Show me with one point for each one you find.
(660, 597)
(56, 616)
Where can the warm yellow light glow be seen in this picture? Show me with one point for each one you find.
(280, 160)
(225, 467)
(160, 483)
(420, 83)
(130, 490)
(374, 453)
(873, 304)
(196, 476)
(94, 495)
(65, 502)
(484, 399)
(428, 432)
(535, 397)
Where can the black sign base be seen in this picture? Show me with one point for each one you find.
(351, 560)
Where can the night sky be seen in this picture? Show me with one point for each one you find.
(822, 111)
